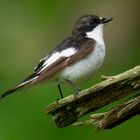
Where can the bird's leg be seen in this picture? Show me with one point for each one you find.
(60, 91)
(75, 86)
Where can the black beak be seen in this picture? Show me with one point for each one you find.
(105, 20)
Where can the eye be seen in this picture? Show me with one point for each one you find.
(92, 22)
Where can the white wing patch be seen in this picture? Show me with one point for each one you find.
(56, 55)
(52, 59)
(67, 52)
(28, 81)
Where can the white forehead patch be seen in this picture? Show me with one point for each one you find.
(56, 55)
(100, 18)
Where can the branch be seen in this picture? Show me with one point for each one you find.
(69, 109)
(114, 116)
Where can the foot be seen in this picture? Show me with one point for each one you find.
(76, 93)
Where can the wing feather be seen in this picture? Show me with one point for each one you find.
(62, 62)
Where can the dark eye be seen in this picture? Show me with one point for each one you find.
(92, 22)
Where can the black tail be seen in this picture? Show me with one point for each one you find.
(10, 91)
(28, 81)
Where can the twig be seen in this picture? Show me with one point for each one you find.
(69, 109)
(115, 116)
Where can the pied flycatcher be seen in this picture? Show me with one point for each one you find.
(75, 59)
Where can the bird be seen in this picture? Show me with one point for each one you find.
(74, 60)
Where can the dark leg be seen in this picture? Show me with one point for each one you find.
(60, 91)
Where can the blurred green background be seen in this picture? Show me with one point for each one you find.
(28, 31)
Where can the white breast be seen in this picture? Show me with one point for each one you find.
(84, 68)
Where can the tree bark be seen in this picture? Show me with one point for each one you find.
(115, 116)
(69, 109)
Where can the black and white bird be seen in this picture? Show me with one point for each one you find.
(75, 59)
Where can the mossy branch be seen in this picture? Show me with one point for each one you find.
(67, 110)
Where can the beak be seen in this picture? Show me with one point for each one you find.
(105, 20)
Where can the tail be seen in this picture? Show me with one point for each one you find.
(30, 80)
